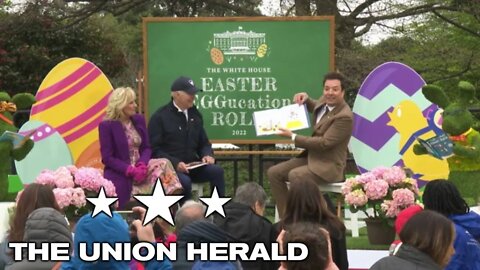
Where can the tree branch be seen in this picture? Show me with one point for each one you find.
(364, 30)
(458, 25)
(457, 74)
(239, 10)
(361, 8)
(405, 13)
(290, 10)
(345, 2)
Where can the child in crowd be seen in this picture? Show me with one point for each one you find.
(443, 197)
(316, 239)
(34, 196)
(402, 218)
(305, 203)
(105, 229)
(427, 244)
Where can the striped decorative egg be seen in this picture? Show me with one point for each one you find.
(50, 151)
(72, 99)
(390, 112)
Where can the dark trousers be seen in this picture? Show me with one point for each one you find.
(209, 173)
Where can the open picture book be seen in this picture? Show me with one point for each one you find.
(17, 139)
(293, 117)
(439, 146)
(195, 164)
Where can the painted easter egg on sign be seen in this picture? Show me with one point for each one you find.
(90, 158)
(72, 99)
(50, 151)
(390, 113)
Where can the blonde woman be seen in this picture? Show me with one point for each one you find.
(126, 150)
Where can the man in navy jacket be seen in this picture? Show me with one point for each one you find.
(176, 132)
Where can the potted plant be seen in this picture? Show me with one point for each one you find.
(71, 186)
(385, 191)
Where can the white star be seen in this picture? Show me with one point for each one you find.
(102, 203)
(214, 203)
(158, 204)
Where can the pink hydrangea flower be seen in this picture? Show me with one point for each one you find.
(356, 198)
(390, 208)
(71, 185)
(376, 190)
(380, 171)
(403, 197)
(46, 177)
(109, 188)
(72, 169)
(394, 176)
(78, 197)
(63, 178)
(89, 179)
(63, 196)
(385, 189)
(347, 187)
(366, 177)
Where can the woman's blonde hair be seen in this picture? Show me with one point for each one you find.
(119, 98)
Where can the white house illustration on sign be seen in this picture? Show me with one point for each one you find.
(237, 43)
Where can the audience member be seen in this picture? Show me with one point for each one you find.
(193, 227)
(125, 149)
(427, 244)
(177, 133)
(44, 225)
(325, 155)
(111, 230)
(443, 197)
(245, 222)
(197, 232)
(34, 196)
(400, 221)
(305, 203)
(189, 212)
(316, 239)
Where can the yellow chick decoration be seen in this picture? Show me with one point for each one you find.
(408, 120)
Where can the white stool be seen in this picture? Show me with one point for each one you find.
(198, 188)
(334, 188)
(337, 188)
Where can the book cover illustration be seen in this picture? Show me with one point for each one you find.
(293, 117)
(439, 146)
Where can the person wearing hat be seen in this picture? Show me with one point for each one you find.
(177, 133)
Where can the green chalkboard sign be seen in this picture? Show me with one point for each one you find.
(243, 65)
